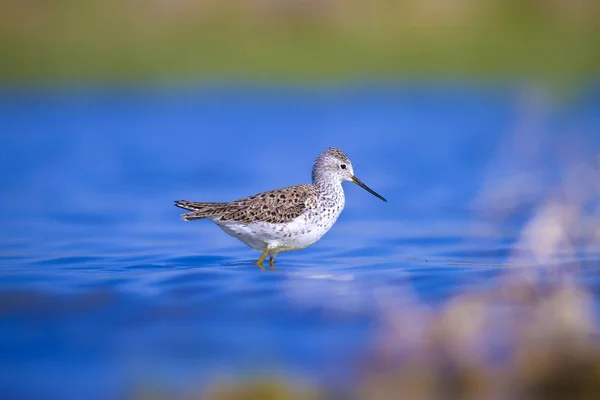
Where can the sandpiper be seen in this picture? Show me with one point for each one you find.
(286, 219)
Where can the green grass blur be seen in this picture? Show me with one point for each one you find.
(139, 40)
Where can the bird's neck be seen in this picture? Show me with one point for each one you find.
(328, 186)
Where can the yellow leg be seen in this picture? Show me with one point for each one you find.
(272, 262)
(260, 261)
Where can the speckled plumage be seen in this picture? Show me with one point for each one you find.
(290, 218)
(276, 206)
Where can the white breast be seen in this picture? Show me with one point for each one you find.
(297, 234)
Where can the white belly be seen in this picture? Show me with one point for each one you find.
(294, 235)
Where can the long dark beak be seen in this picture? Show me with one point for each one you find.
(368, 189)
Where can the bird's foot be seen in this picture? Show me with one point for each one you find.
(259, 265)
(260, 261)
(272, 263)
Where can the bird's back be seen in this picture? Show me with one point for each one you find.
(275, 206)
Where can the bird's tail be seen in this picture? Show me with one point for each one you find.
(199, 210)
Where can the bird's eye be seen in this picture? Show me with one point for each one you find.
(343, 166)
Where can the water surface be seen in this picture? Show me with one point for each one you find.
(104, 290)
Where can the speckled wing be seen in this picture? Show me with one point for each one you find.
(276, 206)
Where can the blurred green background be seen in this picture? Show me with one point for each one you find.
(542, 40)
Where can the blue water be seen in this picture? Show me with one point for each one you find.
(103, 290)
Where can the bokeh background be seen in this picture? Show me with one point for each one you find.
(327, 40)
(479, 121)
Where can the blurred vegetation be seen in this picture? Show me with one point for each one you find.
(545, 40)
(517, 341)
